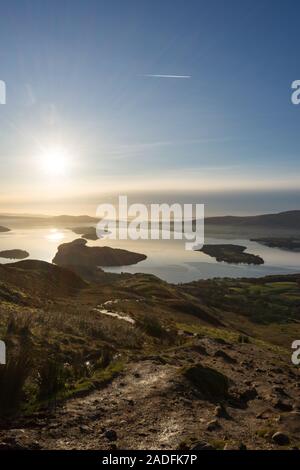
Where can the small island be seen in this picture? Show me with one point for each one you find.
(77, 253)
(289, 243)
(4, 229)
(14, 254)
(89, 233)
(233, 254)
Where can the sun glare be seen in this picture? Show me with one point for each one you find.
(55, 235)
(54, 160)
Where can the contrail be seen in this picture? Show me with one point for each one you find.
(150, 75)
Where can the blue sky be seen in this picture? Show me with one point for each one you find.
(77, 77)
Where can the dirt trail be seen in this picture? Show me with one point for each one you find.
(132, 412)
(127, 407)
(150, 406)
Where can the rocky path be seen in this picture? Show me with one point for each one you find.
(150, 406)
(132, 412)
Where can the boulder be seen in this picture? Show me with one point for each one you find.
(211, 383)
(280, 438)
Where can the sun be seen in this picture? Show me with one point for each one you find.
(54, 160)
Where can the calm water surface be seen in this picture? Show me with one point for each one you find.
(167, 259)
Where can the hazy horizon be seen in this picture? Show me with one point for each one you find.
(216, 203)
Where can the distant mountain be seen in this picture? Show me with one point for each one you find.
(80, 219)
(46, 220)
(63, 217)
(289, 219)
(283, 220)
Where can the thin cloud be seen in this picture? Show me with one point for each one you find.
(151, 75)
(131, 149)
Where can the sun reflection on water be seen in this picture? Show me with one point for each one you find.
(55, 235)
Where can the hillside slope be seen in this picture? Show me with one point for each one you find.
(288, 219)
(212, 358)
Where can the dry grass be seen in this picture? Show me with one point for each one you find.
(13, 377)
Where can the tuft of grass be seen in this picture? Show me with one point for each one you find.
(13, 377)
(150, 325)
(216, 333)
(218, 444)
(99, 379)
(51, 380)
(264, 433)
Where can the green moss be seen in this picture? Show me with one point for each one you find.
(219, 333)
(218, 444)
(265, 433)
(99, 379)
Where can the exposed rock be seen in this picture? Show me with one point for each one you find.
(221, 412)
(157, 359)
(225, 356)
(249, 394)
(95, 416)
(222, 341)
(280, 438)
(202, 446)
(13, 443)
(213, 425)
(264, 414)
(200, 349)
(290, 422)
(277, 370)
(111, 435)
(296, 405)
(247, 364)
(280, 391)
(283, 405)
(85, 429)
(211, 383)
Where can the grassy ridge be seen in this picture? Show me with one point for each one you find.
(70, 348)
